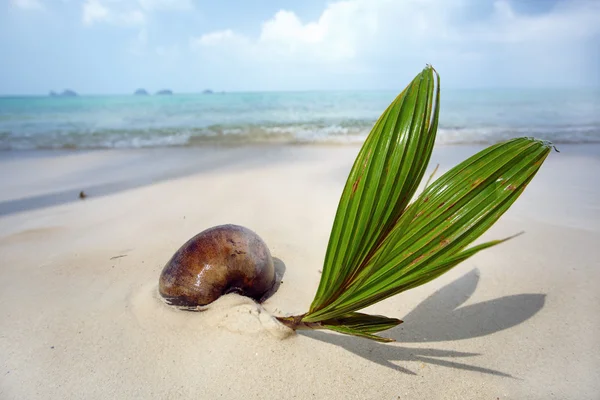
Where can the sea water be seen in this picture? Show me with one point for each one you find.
(127, 121)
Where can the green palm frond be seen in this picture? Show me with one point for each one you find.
(363, 325)
(382, 181)
(380, 245)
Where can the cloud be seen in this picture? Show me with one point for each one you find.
(166, 5)
(379, 38)
(127, 12)
(217, 38)
(28, 4)
(341, 32)
(333, 37)
(95, 11)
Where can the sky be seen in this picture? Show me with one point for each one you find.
(117, 46)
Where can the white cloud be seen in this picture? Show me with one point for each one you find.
(334, 36)
(166, 5)
(127, 12)
(94, 11)
(216, 38)
(133, 17)
(28, 4)
(380, 36)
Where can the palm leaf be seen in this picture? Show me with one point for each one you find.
(382, 181)
(379, 244)
(364, 322)
(363, 325)
(431, 235)
(355, 332)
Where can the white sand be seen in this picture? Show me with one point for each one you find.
(518, 321)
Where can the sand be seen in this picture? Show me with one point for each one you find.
(80, 317)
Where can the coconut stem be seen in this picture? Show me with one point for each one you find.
(296, 323)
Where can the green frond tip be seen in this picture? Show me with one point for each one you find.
(359, 333)
(363, 322)
(380, 245)
(383, 179)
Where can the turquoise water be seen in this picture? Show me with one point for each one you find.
(468, 116)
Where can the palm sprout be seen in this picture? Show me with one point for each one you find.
(380, 243)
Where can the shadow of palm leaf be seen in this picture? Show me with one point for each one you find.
(440, 317)
(388, 355)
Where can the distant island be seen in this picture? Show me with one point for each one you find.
(207, 91)
(141, 92)
(64, 93)
(164, 92)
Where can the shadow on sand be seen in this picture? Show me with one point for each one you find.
(440, 317)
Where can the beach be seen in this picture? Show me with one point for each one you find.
(81, 318)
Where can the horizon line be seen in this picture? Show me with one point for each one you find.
(218, 92)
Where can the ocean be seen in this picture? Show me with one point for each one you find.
(127, 121)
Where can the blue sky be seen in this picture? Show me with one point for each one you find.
(116, 46)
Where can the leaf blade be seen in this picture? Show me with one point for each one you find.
(364, 322)
(478, 191)
(380, 184)
(355, 332)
